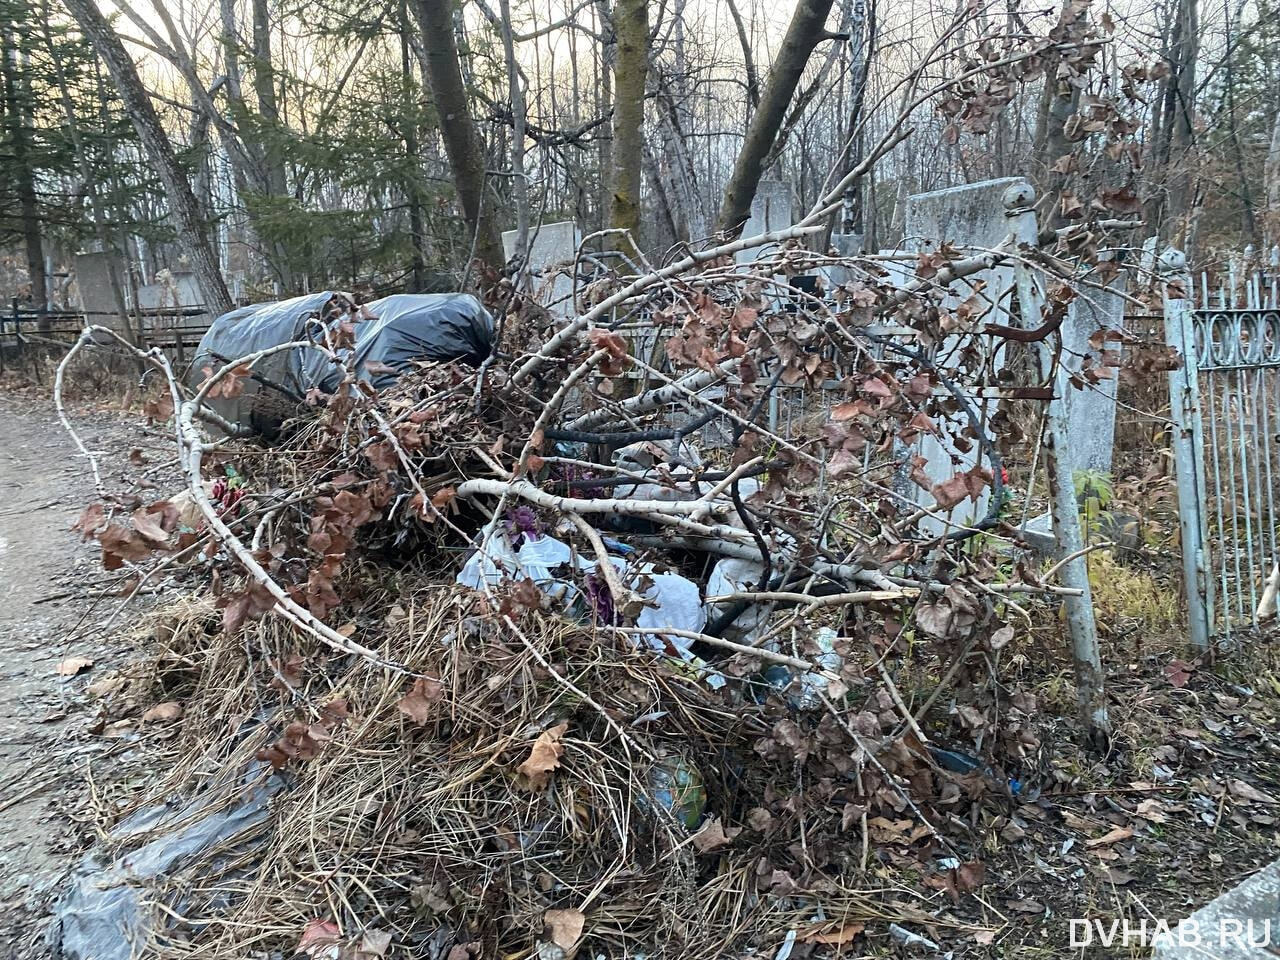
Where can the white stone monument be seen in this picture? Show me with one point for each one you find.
(772, 209)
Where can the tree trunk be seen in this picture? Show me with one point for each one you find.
(16, 110)
(1248, 219)
(418, 266)
(604, 108)
(1182, 135)
(748, 59)
(1271, 175)
(520, 183)
(274, 181)
(264, 87)
(806, 30)
(861, 29)
(461, 138)
(1058, 102)
(631, 23)
(182, 204)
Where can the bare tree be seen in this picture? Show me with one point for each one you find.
(182, 202)
(631, 24)
(520, 183)
(806, 31)
(461, 139)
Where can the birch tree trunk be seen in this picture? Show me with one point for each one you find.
(182, 203)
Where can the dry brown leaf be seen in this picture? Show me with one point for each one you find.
(374, 943)
(105, 686)
(543, 758)
(1027, 906)
(149, 525)
(317, 935)
(1115, 835)
(118, 729)
(713, 836)
(970, 876)
(1150, 809)
(1245, 791)
(420, 702)
(832, 936)
(73, 665)
(163, 712)
(564, 927)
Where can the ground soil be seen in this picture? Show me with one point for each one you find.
(53, 594)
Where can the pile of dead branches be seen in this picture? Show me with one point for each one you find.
(530, 665)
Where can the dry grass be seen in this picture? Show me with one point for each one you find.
(428, 832)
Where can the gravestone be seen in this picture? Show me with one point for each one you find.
(772, 209)
(552, 249)
(171, 290)
(1242, 924)
(972, 216)
(981, 216)
(93, 281)
(844, 245)
(1091, 412)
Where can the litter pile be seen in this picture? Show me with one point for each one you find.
(536, 668)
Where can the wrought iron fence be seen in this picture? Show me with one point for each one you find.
(1226, 410)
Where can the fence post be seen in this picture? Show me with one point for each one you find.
(19, 352)
(1064, 508)
(1188, 444)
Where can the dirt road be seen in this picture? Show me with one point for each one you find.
(48, 580)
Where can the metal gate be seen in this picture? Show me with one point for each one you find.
(1225, 403)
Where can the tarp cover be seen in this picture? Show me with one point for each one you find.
(399, 330)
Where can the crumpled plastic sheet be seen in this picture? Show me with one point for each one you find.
(105, 913)
(675, 602)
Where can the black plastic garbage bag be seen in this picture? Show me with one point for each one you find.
(422, 326)
(397, 331)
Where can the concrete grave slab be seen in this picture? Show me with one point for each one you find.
(93, 281)
(772, 209)
(981, 216)
(551, 246)
(975, 215)
(1242, 924)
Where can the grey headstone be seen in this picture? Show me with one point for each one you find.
(1242, 924)
(552, 249)
(972, 216)
(93, 281)
(845, 245)
(171, 289)
(1091, 412)
(982, 216)
(772, 209)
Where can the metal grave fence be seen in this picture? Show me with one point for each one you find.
(1225, 405)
